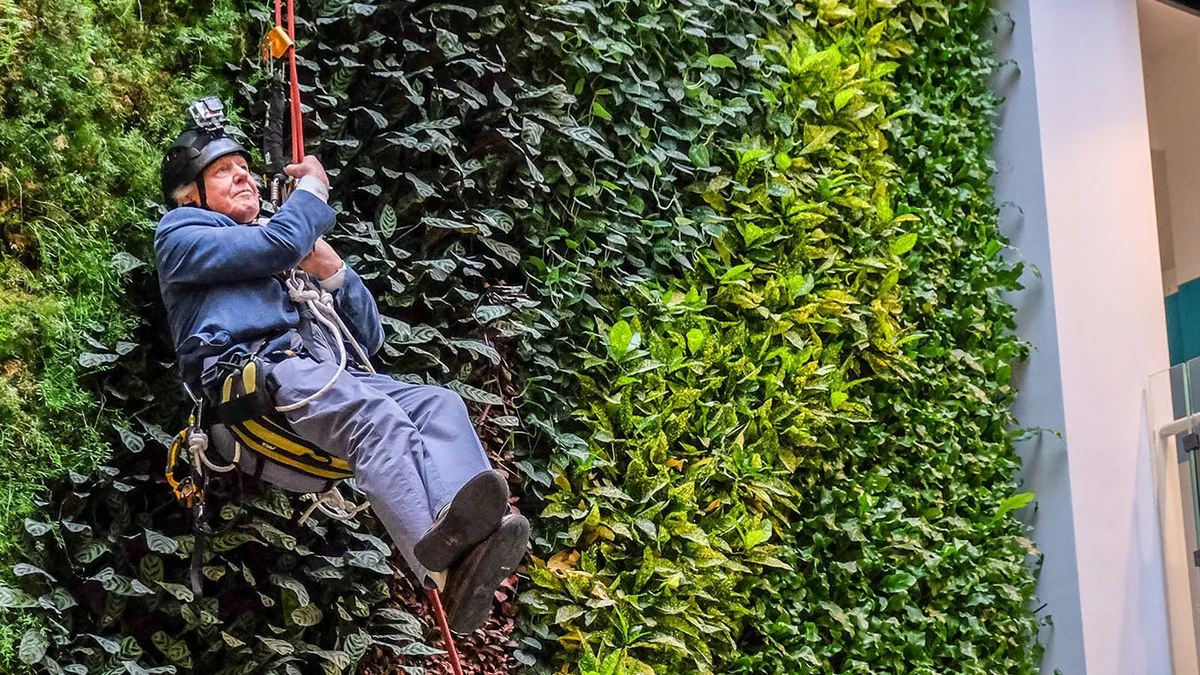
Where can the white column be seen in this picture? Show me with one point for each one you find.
(1111, 329)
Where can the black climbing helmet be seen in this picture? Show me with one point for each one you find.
(195, 149)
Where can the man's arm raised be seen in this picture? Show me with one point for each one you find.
(195, 246)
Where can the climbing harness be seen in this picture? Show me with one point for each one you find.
(244, 404)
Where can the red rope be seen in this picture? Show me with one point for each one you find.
(297, 119)
(297, 155)
(444, 628)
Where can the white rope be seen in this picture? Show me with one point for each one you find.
(320, 302)
(334, 505)
(198, 448)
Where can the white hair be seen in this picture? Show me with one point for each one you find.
(181, 193)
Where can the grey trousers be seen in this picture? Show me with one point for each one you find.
(411, 447)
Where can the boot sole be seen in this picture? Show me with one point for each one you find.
(474, 514)
(473, 586)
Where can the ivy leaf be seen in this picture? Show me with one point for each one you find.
(721, 61)
(895, 583)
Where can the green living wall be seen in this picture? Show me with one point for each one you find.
(719, 280)
(87, 95)
(778, 411)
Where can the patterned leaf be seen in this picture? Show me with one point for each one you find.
(33, 646)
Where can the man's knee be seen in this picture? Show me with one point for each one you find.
(442, 400)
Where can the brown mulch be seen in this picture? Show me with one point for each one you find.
(487, 651)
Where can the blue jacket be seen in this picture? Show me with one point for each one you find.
(220, 282)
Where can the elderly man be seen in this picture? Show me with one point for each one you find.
(412, 448)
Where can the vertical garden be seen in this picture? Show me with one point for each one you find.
(719, 280)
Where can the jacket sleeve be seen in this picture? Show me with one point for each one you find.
(357, 308)
(194, 247)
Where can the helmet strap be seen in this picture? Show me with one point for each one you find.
(200, 191)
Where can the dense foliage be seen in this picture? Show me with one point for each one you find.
(89, 93)
(720, 280)
(277, 597)
(779, 404)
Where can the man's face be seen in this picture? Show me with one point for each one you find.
(231, 190)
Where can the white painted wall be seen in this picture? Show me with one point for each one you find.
(1111, 330)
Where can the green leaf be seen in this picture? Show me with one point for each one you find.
(293, 585)
(176, 651)
(904, 244)
(599, 111)
(178, 591)
(895, 583)
(281, 647)
(843, 97)
(37, 528)
(131, 440)
(567, 613)
(160, 543)
(11, 598)
(25, 569)
(821, 140)
(471, 393)
(721, 61)
(92, 360)
(1015, 502)
(620, 337)
(124, 262)
(387, 221)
